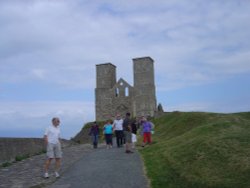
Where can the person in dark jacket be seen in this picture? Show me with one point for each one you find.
(94, 132)
(134, 132)
(127, 132)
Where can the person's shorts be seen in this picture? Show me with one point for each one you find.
(128, 136)
(54, 150)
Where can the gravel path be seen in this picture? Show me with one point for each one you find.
(105, 168)
(82, 166)
(29, 172)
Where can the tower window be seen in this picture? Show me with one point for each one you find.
(117, 92)
(126, 92)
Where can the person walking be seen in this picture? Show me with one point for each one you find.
(117, 127)
(108, 133)
(134, 132)
(94, 133)
(146, 131)
(127, 133)
(52, 141)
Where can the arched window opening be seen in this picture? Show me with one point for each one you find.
(117, 92)
(126, 92)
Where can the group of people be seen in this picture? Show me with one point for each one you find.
(125, 131)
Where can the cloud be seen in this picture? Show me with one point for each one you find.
(45, 108)
(191, 41)
(216, 107)
(39, 73)
(49, 50)
(31, 118)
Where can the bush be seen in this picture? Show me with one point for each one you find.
(6, 164)
(22, 157)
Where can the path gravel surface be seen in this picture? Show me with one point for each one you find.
(105, 168)
(83, 167)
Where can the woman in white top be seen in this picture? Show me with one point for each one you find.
(117, 127)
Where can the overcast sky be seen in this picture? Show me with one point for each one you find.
(49, 49)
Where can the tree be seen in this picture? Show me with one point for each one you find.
(160, 108)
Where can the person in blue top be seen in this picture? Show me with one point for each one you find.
(108, 132)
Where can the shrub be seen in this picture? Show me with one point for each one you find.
(22, 157)
(6, 164)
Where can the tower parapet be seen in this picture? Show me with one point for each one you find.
(105, 75)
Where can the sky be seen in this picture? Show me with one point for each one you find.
(49, 50)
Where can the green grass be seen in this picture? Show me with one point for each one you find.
(21, 157)
(6, 164)
(83, 135)
(199, 150)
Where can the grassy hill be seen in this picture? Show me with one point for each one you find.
(83, 136)
(199, 150)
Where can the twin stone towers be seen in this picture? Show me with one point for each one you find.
(119, 97)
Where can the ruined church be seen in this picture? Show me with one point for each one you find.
(112, 96)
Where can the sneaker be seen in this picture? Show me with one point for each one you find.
(57, 175)
(46, 175)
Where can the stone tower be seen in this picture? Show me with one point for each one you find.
(144, 85)
(105, 80)
(112, 97)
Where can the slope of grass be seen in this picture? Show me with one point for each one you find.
(199, 150)
(83, 136)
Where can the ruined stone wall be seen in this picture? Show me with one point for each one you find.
(104, 103)
(122, 105)
(112, 98)
(122, 98)
(12, 147)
